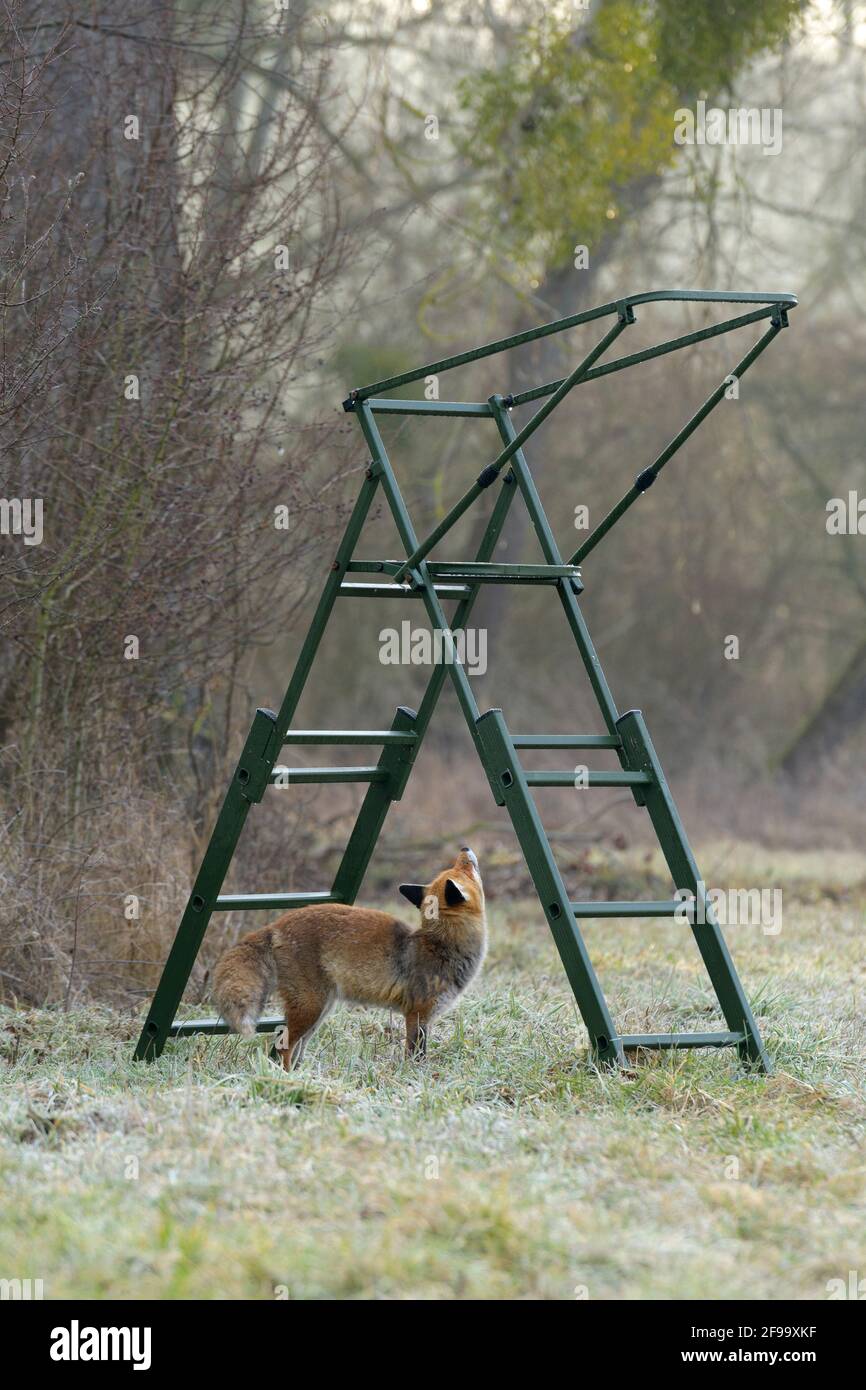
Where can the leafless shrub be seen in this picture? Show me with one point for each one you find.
(170, 240)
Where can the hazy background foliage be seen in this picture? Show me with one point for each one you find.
(155, 258)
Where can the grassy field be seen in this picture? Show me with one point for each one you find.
(504, 1167)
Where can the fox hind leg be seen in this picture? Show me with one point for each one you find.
(301, 1022)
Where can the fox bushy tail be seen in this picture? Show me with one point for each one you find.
(244, 978)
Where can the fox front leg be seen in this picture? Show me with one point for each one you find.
(416, 1034)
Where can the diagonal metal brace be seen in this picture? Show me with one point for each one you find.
(645, 479)
(624, 318)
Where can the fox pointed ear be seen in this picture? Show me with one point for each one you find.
(454, 895)
(414, 892)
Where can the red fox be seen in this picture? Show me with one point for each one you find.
(315, 956)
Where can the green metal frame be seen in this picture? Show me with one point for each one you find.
(435, 582)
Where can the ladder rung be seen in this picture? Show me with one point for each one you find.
(382, 405)
(398, 591)
(303, 776)
(349, 736)
(659, 1040)
(630, 909)
(475, 571)
(566, 741)
(182, 1027)
(246, 902)
(487, 573)
(589, 779)
(374, 566)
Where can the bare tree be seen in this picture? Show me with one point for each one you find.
(170, 244)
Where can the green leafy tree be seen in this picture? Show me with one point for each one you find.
(574, 129)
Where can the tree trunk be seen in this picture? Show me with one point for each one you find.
(841, 713)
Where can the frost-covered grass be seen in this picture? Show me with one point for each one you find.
(504, 1167)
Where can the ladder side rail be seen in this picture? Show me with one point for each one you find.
(550, 550)
(307, 654)
(246, 786)
(395, 763)
(251, 776)
(464, 609)
(374, 808)
(504, 766)
(454, 667)
(426, 581)
(684, 870)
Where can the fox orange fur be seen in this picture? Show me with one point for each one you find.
(315, 956)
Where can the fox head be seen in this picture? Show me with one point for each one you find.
(453, 893)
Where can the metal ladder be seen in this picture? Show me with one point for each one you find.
(435, 582)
